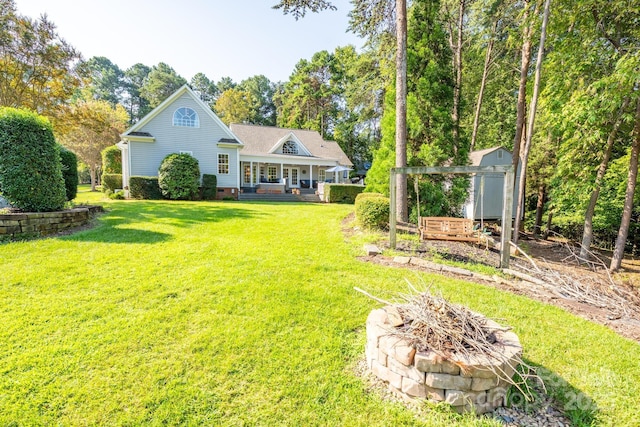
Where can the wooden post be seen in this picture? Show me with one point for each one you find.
(507, 218)
(392, 209)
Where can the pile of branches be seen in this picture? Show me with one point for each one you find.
(596, 291)
(432, 323)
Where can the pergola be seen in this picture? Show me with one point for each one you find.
(507, 203)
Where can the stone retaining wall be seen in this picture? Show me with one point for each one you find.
(467, 384)
(45, 223)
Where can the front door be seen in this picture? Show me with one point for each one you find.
(292, 176)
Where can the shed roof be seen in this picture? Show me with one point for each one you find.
(475, 157)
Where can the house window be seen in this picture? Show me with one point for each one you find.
(186, 117)
(322, 175)
(223, 164)
(290, 147)
(272, 174)
(499, 154)
(247, 174)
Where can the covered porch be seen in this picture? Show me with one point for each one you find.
(282, 177)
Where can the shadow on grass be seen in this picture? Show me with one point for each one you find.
(118, 224)
(578, 407)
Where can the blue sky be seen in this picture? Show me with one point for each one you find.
(235, 38)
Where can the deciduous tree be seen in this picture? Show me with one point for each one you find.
(95, 125)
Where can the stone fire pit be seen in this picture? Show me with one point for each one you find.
(475, 383)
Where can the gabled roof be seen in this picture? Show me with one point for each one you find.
(135, 129)
(475, 157)
(304, 151)
(262, 140)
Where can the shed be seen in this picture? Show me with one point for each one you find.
(485, 200)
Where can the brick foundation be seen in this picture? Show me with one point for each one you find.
(227, 192)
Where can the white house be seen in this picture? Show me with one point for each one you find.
(486, 192)
(254, 158)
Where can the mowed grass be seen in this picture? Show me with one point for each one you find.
(228, 313)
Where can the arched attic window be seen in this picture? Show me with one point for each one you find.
(290, 147)
(187, 117)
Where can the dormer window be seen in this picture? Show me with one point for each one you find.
(186, 117)
(290, 147)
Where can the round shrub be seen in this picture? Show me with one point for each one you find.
(30, 167)
(368, 195)
(69, 172)
(179, 177)
(373, 212)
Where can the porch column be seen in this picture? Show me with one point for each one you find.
(282, 173)
(311, 177)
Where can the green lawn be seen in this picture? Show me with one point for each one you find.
(228, 313)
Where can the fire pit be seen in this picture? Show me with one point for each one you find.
(469, 380)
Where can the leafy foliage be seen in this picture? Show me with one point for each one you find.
(93, 126)
(342, 193)
(179, 176)
(111, 181)
(69, 172)
(105, 79)
(209, 187)
(30, 167)
(111, 160)
(298, 8)
(372, 211)
(160, 83)
(37, 67)
(235, 106)
(144, 187)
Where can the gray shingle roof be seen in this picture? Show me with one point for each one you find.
(259, 140)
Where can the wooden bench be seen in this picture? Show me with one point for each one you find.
(445, 228)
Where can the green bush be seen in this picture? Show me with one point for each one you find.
(179, 177)
(111, 160)
(368, 195)
(209, 187)
(342, 193)
(69, 172)
(144, 187)
(373, 212)
(118, 195)
(30, 167)
(111, 181)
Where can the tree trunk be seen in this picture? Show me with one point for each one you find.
(587, 235)
(401, 108)
(623, 232)
(457, 67)
(483, 84)
(545, 236)
(522, 89)
(93, 177)
(532, 117)
(542, 199)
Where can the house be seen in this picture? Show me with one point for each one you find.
(486, 192)
(248, 157)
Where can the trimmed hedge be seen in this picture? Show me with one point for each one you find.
(209, 187)
(111, 181)
(144, 187)
(30, 167)
(69, 172)
(179, 177)
(368, 195)
(111, 160)
(342, 193)
(373, 211)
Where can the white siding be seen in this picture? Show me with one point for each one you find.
(202, 142)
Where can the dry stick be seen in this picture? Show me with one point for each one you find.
(362, 291)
